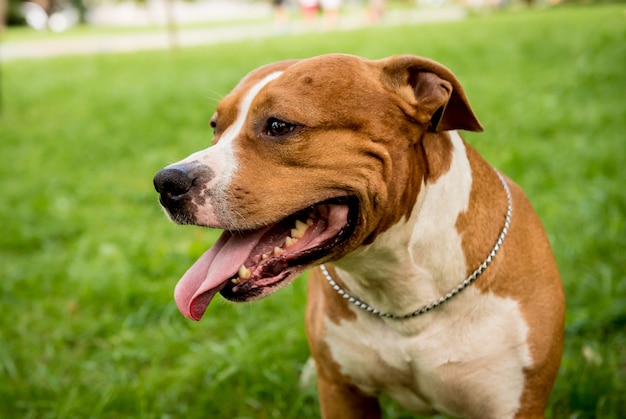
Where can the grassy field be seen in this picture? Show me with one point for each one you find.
(88, 262)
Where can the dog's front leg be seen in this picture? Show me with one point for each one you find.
(343, 401)
(339, 397)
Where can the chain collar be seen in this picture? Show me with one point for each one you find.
(483, 266)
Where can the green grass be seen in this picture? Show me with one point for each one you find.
(88, 262)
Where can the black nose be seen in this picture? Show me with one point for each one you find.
(173, 182)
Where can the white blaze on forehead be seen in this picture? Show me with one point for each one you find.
(221, 158)
(244, 107)
(221, 155)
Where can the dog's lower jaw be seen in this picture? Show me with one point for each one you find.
(245, 291)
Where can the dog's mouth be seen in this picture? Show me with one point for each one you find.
(248, 265)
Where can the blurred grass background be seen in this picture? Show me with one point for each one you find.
(88, 262)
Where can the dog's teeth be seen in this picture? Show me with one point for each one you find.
(309, 221)
(244, 273)
(235, 281)
(300, 229)
(290, 241)
(277, 251)
(264, 256)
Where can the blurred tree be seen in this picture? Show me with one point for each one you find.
(80, 7)
(170, 18)
(172, 27)
(12, 12)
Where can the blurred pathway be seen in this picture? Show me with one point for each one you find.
(89, 44)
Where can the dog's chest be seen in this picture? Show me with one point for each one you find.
(448, 362)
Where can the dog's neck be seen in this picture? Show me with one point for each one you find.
(451, 293)
(420, 259)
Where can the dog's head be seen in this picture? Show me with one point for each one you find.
(310, 160)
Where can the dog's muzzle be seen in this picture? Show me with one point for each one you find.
(178, 186)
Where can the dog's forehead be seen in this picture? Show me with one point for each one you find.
(327, 72)
(228, 106)
(258, 74)
(305, 84)
(331, 71)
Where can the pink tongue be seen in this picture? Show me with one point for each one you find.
(209, 274)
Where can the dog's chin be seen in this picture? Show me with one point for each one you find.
(256, 289)
(249, 265)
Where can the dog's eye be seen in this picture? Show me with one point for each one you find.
(276, 127)
(213, 123)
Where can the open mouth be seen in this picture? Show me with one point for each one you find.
(248, 265)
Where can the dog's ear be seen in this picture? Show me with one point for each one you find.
(433, 91)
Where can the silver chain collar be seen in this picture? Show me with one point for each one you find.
(483, 266)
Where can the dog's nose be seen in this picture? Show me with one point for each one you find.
(173, 182)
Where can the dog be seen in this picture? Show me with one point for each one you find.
(432, 277)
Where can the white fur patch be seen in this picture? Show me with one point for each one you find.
(470, 351)
(473, 356)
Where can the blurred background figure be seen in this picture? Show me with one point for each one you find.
(281, 15)
(54, 15)
(375, 10)
(330, 8)
(309, 10)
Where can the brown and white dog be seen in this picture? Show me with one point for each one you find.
(443, 291)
